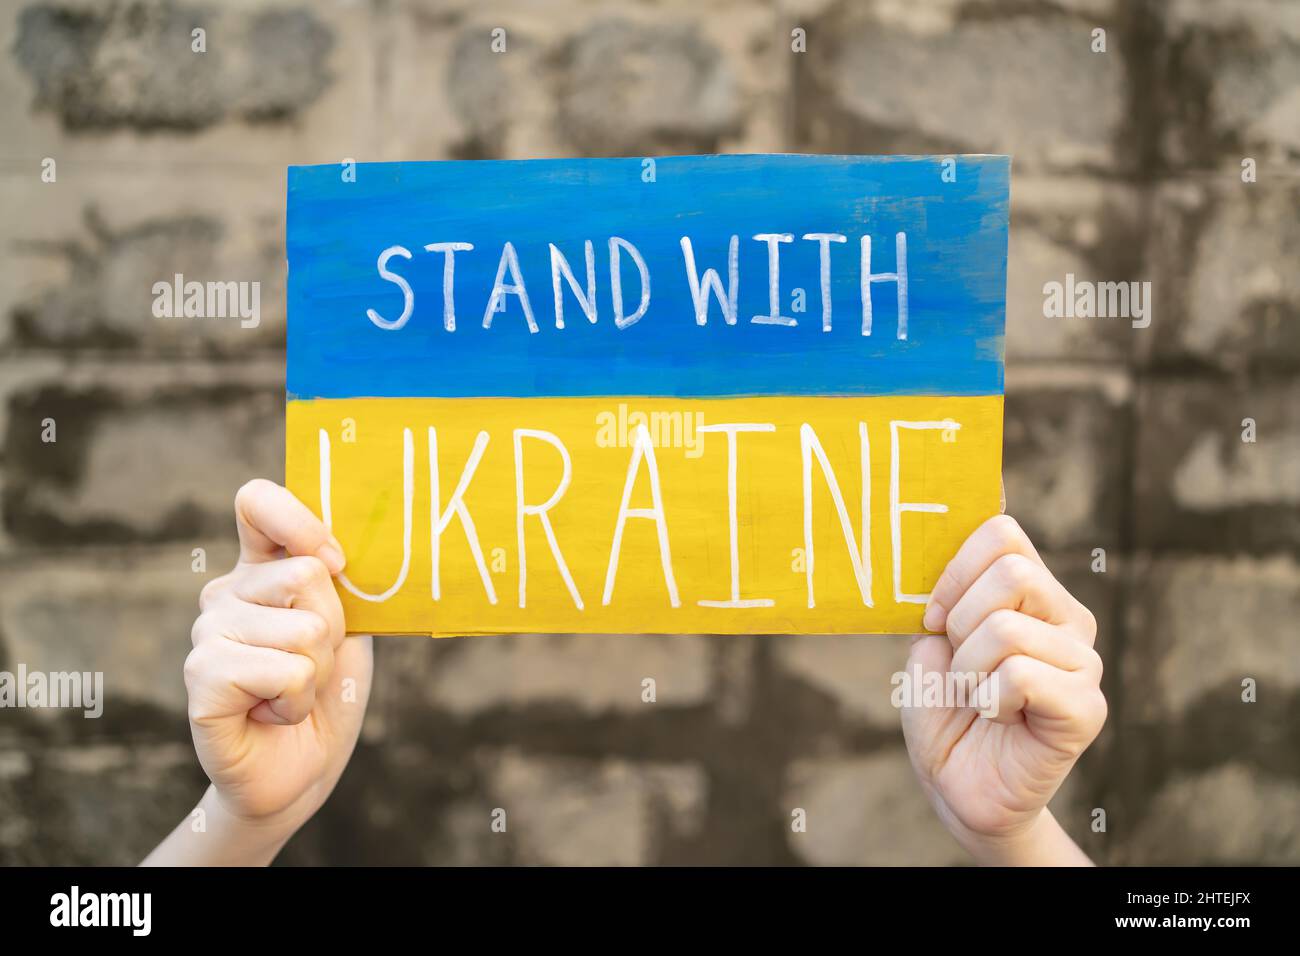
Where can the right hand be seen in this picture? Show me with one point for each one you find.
(276, 691)
(990, 775)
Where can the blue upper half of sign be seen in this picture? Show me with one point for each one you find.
(342, 220)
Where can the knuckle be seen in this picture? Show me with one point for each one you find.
(1015, 571)
(199, 629)
(1095, 666)
(1006, 531)
(193, 668)
(259, 578)
(245, 496)
(213, 590)
(1089, 622)
(250, 490)
(1097, 710)
(1014, 672)
(317, 628)
(306, 573)
(1003, 629)
(303, 679)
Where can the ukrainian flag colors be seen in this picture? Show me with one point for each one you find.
(705, 394)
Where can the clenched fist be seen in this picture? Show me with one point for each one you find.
(990, 777)
(276, 691)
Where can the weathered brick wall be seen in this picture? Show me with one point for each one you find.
(1127, 166)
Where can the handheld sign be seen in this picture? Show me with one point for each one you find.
(715, 394)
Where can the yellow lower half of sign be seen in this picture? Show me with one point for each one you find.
(782, 514)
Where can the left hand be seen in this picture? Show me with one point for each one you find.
(277, 692)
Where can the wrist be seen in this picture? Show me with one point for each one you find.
(1041, 842)
(212, 835)
(255, 840)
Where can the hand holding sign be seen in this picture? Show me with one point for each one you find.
(990, 777)
(276, 692)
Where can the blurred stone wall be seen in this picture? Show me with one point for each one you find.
(1127, 166)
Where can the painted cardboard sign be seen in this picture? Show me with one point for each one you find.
(716, 394)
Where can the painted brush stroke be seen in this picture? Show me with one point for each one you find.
(752, 394)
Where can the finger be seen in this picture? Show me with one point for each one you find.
(1005, 632)
(286, 629)
(1016, 583)
(271, 520)
(1020, 683)
(226, 680)
(1064, 710)
(1000, 535)
(302, 582)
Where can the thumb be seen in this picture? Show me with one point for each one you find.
(930, 731)
(270, 521)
